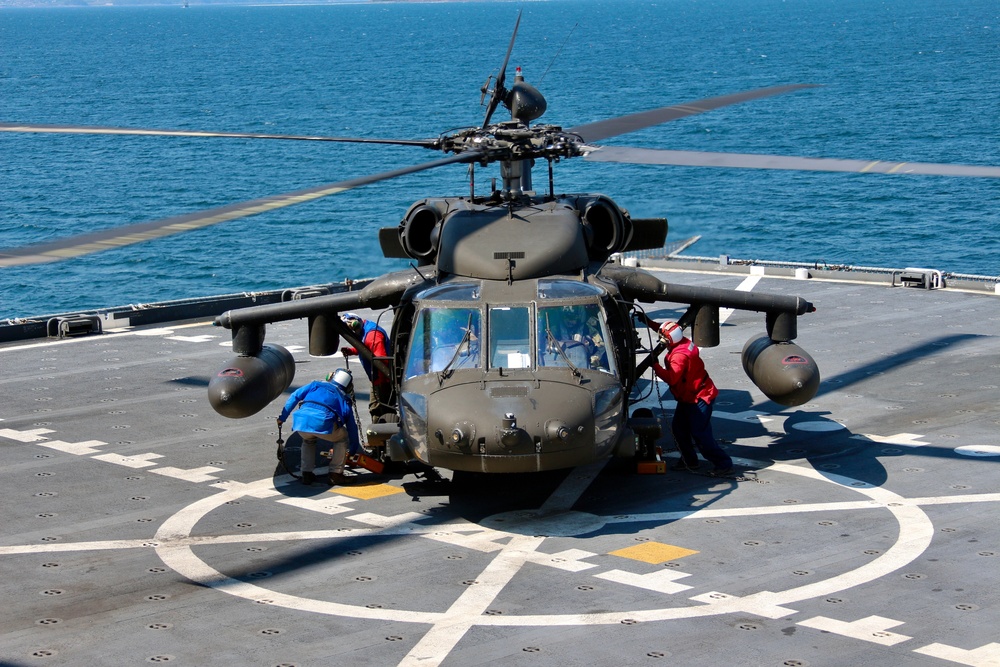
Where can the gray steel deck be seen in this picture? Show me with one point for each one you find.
(138, 526)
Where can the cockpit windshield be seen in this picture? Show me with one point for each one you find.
(510, 337)
(444, 339)
(574, 336)
(451, 335)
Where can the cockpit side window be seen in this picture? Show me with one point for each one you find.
(444, 338)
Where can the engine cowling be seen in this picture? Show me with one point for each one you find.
(607, 228)
(421, 229)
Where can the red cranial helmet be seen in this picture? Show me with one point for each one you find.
(671, 332)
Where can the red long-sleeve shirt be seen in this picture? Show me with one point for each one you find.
(374, 340)
(685, 374)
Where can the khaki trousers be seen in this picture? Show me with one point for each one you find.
(337, 453)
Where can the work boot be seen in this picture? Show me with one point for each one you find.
(308, 478)
(339, 479)
(681, 465)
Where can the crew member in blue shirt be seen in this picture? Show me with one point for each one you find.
(325, 412)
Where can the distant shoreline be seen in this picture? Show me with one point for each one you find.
(79, 4)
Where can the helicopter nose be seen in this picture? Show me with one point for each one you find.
(511, 426)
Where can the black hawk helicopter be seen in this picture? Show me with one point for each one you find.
(514, 347)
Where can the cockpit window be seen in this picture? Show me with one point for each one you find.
(574, 336)
(444, 338)
(510, 337)
(452, 292)
(561, 289)
(449, 338)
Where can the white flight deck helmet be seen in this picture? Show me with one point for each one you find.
(342, 378)
(671, 332)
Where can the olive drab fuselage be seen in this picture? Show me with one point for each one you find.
(498, 377)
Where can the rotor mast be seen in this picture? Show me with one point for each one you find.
(526, 104)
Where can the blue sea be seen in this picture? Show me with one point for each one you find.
(913, 80)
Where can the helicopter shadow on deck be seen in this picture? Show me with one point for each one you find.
(471, 496)
(466, 495)
(835, 454)
(840, 455)
(798, 434)
(812, 435)
(803, 435)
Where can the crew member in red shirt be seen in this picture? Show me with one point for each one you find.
(685, 374)
(383, 399)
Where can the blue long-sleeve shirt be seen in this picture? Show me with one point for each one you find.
(322, 408)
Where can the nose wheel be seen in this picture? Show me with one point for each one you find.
(648, 455)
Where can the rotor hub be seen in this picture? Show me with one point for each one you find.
(513, 140)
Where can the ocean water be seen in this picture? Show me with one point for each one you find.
(914, 80)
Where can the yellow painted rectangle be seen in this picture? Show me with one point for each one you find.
(653, 552)
(367, 491)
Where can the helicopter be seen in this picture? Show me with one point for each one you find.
(514, 343)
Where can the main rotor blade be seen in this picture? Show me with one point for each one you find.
(84, 244)
(498, 89)
(95, 129)
(612, 127)
(754, 161)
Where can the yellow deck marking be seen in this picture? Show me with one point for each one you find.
(368, 492)
(653, 552)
